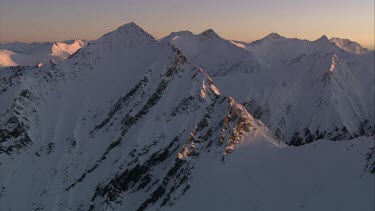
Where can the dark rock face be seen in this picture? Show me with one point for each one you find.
(305, 136)
(13, 136)
(211, 134)
(14, 123)
(370, 158)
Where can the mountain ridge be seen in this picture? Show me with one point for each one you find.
(109, 135)
(131, 122)
(285, 66)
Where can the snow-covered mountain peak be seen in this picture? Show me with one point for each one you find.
(273, 36)
(177, 35)
(209, 34)
(64, 50)
(348, 45)
(132, 26)
(129, 34)
(323, 39)
(133, 120)
(267, 39)
(214, 54)
(181, 33)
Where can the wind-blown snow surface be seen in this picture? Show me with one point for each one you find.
(32, 54)
(303, 91)
(128, 123)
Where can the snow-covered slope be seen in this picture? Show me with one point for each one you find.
(9, 58)
(318, 176)
(31, 54)
(307, 90)
(129, 123)
(350, 46)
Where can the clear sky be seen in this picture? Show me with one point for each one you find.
(245, 20)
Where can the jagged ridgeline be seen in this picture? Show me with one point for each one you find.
(302, 90)
(133, 128)
(129, 122)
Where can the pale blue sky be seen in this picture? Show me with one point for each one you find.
(246, 20)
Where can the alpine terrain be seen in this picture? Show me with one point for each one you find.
(302, 90)
(187, 122)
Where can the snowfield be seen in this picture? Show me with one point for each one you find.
(324, 175)
(187, 122)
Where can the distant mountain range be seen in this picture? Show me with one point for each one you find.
(33, 54)
(302, 90)
(39, 53)
(187, 122)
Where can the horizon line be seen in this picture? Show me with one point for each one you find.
(368, 46)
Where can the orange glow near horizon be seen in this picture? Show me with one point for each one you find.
(243, 20)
